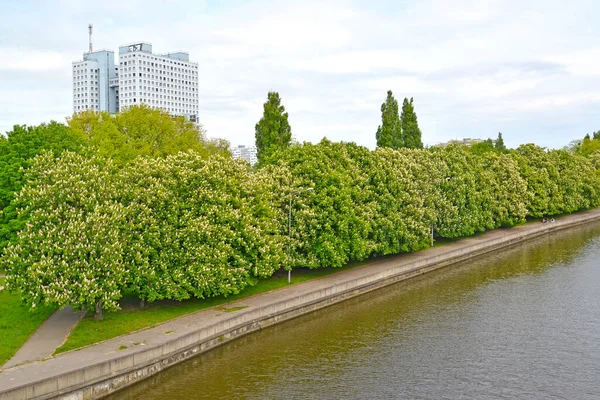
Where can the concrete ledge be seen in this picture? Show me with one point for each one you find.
(101, 369)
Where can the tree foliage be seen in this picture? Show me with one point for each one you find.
(17, 150)
(482, 147)
(389, 133)
(142, 131)
(411, 133)
(330, 224)
(186, 225)
(199, 227)
(70, 251)
(404, 206)
(557, 181)
(500, 146)
(273, 131)
(588, 145)
(174, 228)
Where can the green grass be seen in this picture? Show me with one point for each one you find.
(119, 323)
(17, 323)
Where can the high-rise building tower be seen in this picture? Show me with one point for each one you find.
(165, 81)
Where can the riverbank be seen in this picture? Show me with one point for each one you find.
(103, 368)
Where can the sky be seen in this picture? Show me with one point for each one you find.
(529, 69)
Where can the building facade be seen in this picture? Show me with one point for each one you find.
(248, 153)
(91, 82)
(163, 81)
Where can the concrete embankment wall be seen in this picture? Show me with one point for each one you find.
(70, 376)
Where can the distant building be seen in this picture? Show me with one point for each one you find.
(164, 81)
(461, 142)
(248, 153)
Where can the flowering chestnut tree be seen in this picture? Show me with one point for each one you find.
(331, 224)
(198, 227)
(70, 251)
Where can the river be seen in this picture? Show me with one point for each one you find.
(520, 323)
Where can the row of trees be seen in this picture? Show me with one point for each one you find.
(273, 132)
(139, 131)
(398, 130)
(179, 227)
(386, 201)
(199, 225)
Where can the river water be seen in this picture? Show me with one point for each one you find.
(522, 323)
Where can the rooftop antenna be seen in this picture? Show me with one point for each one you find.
(91, 27)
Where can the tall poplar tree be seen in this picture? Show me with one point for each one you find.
(389, 133)
(273, 131)
(410, 127)
(500, 143)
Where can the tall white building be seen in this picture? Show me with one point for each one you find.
(165, 81)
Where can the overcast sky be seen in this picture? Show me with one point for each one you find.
(529, 69)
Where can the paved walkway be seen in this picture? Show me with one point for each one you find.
(113, 350)
(51, 334)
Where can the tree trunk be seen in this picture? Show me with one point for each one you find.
(98, 313)
(142, 304)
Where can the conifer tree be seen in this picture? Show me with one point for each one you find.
(389, 133)
(273, 131)
(410, 127)
(500, 143)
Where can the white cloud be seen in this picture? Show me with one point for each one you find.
(583, 62)
(32, 60)
(472, 66)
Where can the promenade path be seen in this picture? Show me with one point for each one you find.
(111, 351)
(51, 334)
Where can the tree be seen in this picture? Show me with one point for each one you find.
(482, 147)
(401, 190)
(331, 224)
(410, 127)
(17, 150)
(389, 133)
(574, 146)
(198, 227)
(589, 146)
(70, 251)
(500, 143)
(273, 131)
(142, 131)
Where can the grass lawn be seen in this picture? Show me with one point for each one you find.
(122, 322)
(17, 323)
